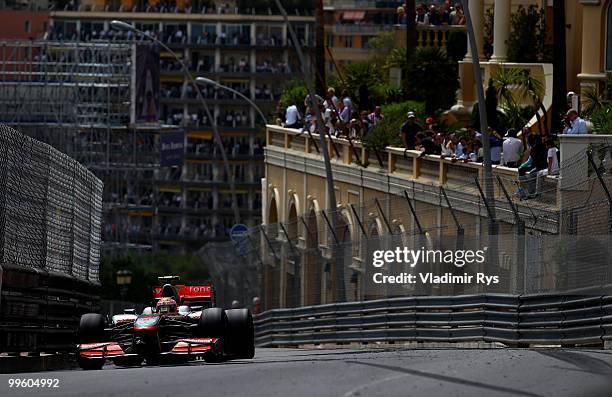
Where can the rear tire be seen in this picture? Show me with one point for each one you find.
(212, 324)
(240, 341)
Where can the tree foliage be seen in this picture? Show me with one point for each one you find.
(431, 77)
(381, 46)
(386, 132)
(295, 93)
(456, 46)
(145, 268)
(598, 107)
(528, 35)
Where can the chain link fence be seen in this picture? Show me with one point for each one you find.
(554, 239)
(50, 209)
(50, 219)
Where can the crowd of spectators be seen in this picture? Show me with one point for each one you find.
(269, 66)
(533, 154)
(434, 15)
(340, 116)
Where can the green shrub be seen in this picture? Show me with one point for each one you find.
(456, 47)
(145, 268)
(386, 133)
(364, 82)
(294, 93)
(526, 42)
(432, 78)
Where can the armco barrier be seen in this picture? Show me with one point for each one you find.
(40, 311)
(515, 320)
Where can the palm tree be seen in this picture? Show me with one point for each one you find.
(509, 80)
(503, 81)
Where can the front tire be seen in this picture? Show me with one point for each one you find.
(91, 328)
(128, 362)
(241, 334)
(91, 363)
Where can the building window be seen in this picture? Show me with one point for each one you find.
(609, 38)
(349, 41)
(27, 26)
(330, 40)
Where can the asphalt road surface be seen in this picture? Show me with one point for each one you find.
(350, 372)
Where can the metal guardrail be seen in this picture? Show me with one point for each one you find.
(515, 320)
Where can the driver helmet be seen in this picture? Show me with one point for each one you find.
(166, 306)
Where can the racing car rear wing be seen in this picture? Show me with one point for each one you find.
(192, 294)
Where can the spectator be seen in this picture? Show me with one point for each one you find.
(366, 123)
(354, 129)
(528, 171)
(574, 124)
(551, 158)
(495, 146)
(457, 147)
(457, 17)
(445, 11)
(511, 149)
(472, 133)
(427, 145)
(292, 116)
(375, 116)
(409, 130)
(434, 16)
(421, 15)
(331, 100)
(344, 112)
(346, 101)
(401, 16)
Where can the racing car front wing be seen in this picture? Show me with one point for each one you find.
(186, 346)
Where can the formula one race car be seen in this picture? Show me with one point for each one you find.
(176, 328)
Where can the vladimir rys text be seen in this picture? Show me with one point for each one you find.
(412, 258)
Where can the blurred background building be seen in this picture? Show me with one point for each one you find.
(71, 82)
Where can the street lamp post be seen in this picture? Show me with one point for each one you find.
(121, 25)
(489, 191)
(331, 193)
(204, 80)
(124, 279)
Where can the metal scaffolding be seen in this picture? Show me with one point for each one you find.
(76, 97)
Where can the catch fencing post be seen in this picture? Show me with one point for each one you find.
(604, 187)
(460, 229)
(519, 274)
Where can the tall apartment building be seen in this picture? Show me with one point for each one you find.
(350, 24)
(180, 208)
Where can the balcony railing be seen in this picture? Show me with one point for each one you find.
(428, 35)
(360, 29)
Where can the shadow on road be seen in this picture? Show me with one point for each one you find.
(449, 379)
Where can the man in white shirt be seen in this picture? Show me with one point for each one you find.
(553, 164)
(576, 124)
(292, 115)
(511, 149)
(552, 159)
